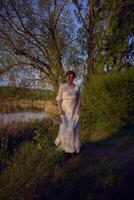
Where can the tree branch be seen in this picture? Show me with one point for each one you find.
(11, 66)
(75, 2)
(117, 5)
(28, 31)
(59, 14)
(22, 33)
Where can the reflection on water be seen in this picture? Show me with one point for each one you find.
(17, 113)
(21, 117)
(17, 108)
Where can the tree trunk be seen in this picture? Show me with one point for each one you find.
(90, 62)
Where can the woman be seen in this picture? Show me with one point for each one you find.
(68, 100)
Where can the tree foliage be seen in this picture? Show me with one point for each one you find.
(104, 30)
(109, 103)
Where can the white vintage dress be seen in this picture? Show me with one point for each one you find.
(68, 137)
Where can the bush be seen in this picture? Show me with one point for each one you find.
(108, 101)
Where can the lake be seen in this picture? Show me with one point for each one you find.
(21, 117)
(10, 113)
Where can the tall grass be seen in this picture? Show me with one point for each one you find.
(21, 93)
(14, 134)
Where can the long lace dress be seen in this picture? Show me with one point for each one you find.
(68, 138)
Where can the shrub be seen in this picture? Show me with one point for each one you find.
(108, 101)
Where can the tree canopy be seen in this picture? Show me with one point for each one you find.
(38, 34)
(52, 36)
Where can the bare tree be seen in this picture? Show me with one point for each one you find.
(35, 33)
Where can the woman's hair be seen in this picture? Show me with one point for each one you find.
(70, 72)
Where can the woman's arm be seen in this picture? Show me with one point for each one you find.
(60, 107)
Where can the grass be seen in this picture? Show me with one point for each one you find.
(14, 134)
(103, 169)
(14, 93)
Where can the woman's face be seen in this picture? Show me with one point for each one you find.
(69, 79)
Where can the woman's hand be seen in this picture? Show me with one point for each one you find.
(60, 107)
(78, 111)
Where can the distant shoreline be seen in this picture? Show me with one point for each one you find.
(26, 98)
(16, 93)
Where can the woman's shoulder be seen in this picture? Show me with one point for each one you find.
(62, 86)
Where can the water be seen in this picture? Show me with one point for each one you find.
(20, 114)
(21, 117)
(11, 113)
